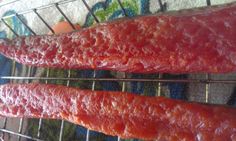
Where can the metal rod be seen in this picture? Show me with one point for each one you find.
(18, 134)
(93, 88)
(29, 73)
(61, 130)
(208, 2)
(23, 22)
(7, 25)
(47, 75)
(41, 18)
(122, 8)
(87, 135)
(207, 93)
(7, 2)
(4, 123)
(39, 128)
(64, 15)
(159, 86)
(20, 128)
(93, 85)
(53, 4)
(162, 6)
(63, 122)
(123, 83)
(207, 89)
(90, 11)
(122, 79)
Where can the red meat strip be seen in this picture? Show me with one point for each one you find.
(121, 114)
(200, 40)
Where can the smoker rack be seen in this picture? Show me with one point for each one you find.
(207, 81)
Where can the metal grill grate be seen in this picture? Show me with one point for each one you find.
(207, 81)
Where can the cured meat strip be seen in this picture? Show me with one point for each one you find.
(200, 40)
(121, 114)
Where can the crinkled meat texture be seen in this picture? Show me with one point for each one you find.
(121, 114)
(200, 40)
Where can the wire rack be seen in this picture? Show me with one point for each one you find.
(206, 81)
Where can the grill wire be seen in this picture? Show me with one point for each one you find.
(27, 79)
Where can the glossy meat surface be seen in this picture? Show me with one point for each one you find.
(121, 114)
(200, 40)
